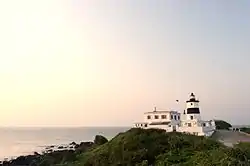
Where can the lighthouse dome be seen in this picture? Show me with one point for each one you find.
(192, 98)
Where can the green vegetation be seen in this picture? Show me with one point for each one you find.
(151, 147)
(138, 147)
(222, 125)
(245, 129)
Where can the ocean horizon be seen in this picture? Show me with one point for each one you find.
(17, 141)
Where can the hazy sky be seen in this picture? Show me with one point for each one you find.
(93, 63)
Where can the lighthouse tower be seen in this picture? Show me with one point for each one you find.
(192, 108)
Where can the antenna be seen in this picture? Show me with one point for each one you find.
(177, 105)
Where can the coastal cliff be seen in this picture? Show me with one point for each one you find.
(140, 147)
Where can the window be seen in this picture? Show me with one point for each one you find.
(191, 103)
(191, 117)
(163, 116)
(156, 117)
(171, 116)
(178, 117)
(175, 117)
(204, 124)
(149, 117)
(189, 125)
(146, 125)
(169, 125)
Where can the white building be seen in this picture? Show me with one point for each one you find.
(189, 121)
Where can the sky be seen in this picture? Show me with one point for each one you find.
(105, 63)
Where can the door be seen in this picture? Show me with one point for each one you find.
(174, 128)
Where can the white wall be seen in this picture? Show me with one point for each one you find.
(165, 127)
(197, 126)
(195, 116)
(208, 134)
(168, 118)
(152, 115)
(210, 124)
(190, 129)
(194, 123)
(192, 105)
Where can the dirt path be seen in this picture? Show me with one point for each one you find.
(230, 137)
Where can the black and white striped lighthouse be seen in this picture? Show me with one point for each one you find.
(192, 108)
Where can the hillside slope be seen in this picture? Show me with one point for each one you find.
(152, 147)
(138, 147)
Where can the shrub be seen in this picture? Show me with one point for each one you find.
(220, 124)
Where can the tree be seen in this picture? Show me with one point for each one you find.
(222, 125)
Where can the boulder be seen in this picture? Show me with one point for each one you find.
(60, 147)
(72, 143)
(99, 140)
(36, 153)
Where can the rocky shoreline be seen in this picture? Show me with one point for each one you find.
(55, 153)
(141, 147)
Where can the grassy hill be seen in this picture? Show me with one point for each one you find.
(221, 124)
(138, 147)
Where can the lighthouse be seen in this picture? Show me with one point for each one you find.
(188, 122)
(192, 108)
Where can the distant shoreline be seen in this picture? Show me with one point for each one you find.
(17, 141)
(64, 127)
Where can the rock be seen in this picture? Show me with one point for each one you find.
(49, 151)
(49, 147)
(60, 147)
(5, 163)
(99, 140)
(77, 146)
(83, 146)
(36, 153)
(54, 154)
(72, 143)
(23, 160)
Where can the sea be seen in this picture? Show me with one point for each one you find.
(15, 142)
